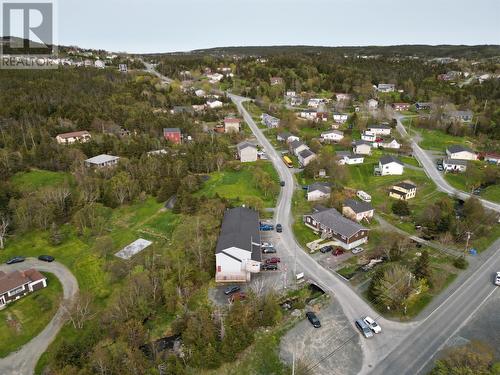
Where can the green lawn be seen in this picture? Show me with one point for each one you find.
(301, 206)
(20, 321)
(37, 178)
(458, 181)
(438, 140)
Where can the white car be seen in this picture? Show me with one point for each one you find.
(266, 245)
(372, 324)
(497, 279)
(357, 250)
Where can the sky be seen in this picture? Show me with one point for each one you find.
(149, 26)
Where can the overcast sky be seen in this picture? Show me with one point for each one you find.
(164, 26)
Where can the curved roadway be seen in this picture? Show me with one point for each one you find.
(23, 361)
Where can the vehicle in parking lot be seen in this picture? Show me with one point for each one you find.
(269, 267)
(357, 250)
(325, 249)
(268, 250)
(372, 324)
(273, 260)
(338, 251)
(17, 259)
(266, 227)
(231, 290)
(46, 258)
(279, 228)
(497, 279)
(240, 296)
(363, 328)
(266, 245)
(313, 319)
(282, 183)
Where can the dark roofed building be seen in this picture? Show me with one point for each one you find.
(17, 284)
(357, 210)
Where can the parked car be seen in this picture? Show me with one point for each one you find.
(282, 183)
(325, 249)
(273, 260)
(46, 258)
(477, 191)
(266, 227)
(440, 167)
(497, 279)
(279, 228)
(17, 259)
(269, 250)
(372, 324)
(266, 245)
(240, 296)
(357, 250)
(269, 267)
(338, 251)
(313, 319)
(363, 328)
(231, 290)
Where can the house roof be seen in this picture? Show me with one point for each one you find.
(461, 113)
(14, 279)
(103, 158)
(232, 120)
(377, 126)
(296, 144)
(358, 206)
(387, 159)
(324, 187)
(449, 161)
(306, 153)
(406, 185)
(361, 142)
(284, 135)
(338, 132)
(73, 134)
(332, 219)
(244, 144)
(240, 227)
(458, 148)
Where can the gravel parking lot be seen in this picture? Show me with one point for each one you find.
(314, 346)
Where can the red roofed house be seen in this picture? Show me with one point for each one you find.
(69, 138)
(401, 106)
(173, 135)
(231, 124)
(17, 284)
(492, 158)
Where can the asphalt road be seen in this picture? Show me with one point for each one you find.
(431, 170)
(23, 361)
(151, 69)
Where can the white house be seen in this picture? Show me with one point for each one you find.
(270, 121)
(460, 152)
(315, 102)
(340, 117)
(102, 161)
(308, 114)
(72, 137)
(214, 104)
(454, 165)
(372, 104)
(286, 137)
(362, 148)
(99, 64)
(247, 152)
(392, 144)
(381, 129)
(305, 157)
(200, 93)
(231, 125)
(342, 97)
(297, 146)
(389, 165)
(347, 157)
(386, 87)
(332, 135)
(215, 77)
(238, 250)
(368, 136)
(492, 158)
(318, 191)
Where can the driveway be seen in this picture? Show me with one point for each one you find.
(23, 361)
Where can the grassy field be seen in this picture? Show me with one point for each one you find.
(438, 140)
(22, 320)
(301, 206)
(458, 181)
(36, 179)
(239, 185)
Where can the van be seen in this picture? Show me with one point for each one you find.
(363, 328)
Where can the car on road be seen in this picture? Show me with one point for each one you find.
(269, 250)
(497, 279)
(338, 251)
(240, 296)
(372, 324)
(266, 245)
(269, 267)
(274, 260)
(17, 259)
(440, 167)
(477, 191)
(357, 250)
(266, 227)
(231, 290)
(313, 319)
(326, 249)
(282, 183)
(46, 258)
(279, 228)
(363, 328)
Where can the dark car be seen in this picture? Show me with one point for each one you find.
(338, 251)
(282, 183)
(17, 259)
(313, 319)
(231, 290)
(269, 267)
(46, 258)
(269, 250)
(279, 228)
(325, 249)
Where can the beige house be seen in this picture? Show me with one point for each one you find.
(231, 125)
(362, 148)
(247, 152)
(73, 137)
(403, 191)
(356, 210)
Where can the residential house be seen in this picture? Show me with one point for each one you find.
(389, 143)
(296, 100)
(305, 157)
(460, 152)
(200, 93)
(172, 135)
(72, 137)
(462, 116)
(102, 161)
(332, 136)
(389, 165)
(308, 114)
(247, 152)
(318, 191)
(181, 109)
(454, 165)
(364, 196)
(270, 121)
(401, 106)
(315, 102)
(17, 284)
(212, 104)
(238, 251)
(290, 93)
(99, 64)
(286, 137)
(372, 104)
(342, 97)
(331, 224)
(347, 157)
(297, 146)
(423, 105)
(492, 158)
(386, 87)
(381, 129)
(361, 147)
(340, 117)
(231, 125)
(123, 68)
(276, 81)
(357, 210)
(403, 191)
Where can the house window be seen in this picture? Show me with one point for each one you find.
(16, 291)
(219, 269)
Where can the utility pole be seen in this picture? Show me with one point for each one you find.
(467, 242)
(293, 360)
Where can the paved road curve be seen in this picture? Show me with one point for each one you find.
(431, 170)
(23, 361)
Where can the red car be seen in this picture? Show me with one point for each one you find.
(273, 260)
(338, 251)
